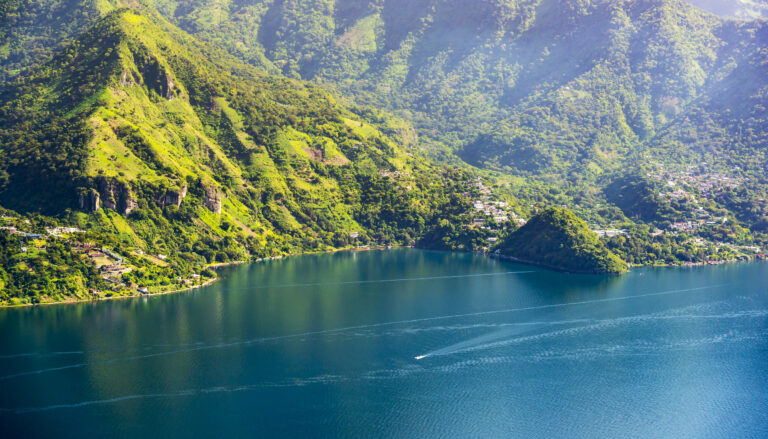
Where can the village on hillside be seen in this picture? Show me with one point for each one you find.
(110, 264)
(489, 210)
(693, 186)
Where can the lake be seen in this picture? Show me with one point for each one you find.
(400, 343)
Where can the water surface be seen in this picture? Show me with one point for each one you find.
(401, 343)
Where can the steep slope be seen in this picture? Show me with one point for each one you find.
(551, 89)
(561, 96)
(727, 125)
(32, 30)
(172, 148)
(527, 86)
(156, 142)
(544, 88)
(559, 239)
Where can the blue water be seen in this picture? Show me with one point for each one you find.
(327, 346)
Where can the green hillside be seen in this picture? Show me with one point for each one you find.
(188, 130)
(563, 98)
(553, 91)
(547, 89)
(559, 239)
(156, 144)
(524, 86)
(558, 96)
(31, 31)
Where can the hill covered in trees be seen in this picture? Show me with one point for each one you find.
(559, 239)
(190, 130)
(542, 88)
(153, 143)
(561, 93)
(532, 87)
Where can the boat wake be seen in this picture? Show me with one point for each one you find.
(578, 327)
(410, 371)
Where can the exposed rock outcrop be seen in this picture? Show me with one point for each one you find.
(213, 199)
(90, 201)
(156, 77)
(174, 196)
(111, 194)
(127, 79)
(170, 87)
(130, 205)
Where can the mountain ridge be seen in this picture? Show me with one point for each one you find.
(173, 154)
(149, 142)
(520, 75)
(585, 89)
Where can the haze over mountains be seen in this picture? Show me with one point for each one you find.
(743, 9)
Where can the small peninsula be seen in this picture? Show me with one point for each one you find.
(558, 239)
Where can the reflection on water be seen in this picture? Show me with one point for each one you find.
(401, 343)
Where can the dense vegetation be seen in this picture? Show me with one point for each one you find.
(134, 125)
(58, 275)
(559, 239)
(171, 148)
(561, 93)
(580, 86)
(547, 89)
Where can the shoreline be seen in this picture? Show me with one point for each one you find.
(552, 267)
(218, 265)
(207, 283)
(631, 266)
(108, 298)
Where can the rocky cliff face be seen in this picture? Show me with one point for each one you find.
(127, 79)
(174, 197)
(213, 199)
(170, 87)
(110, 194)
(90, 201)
(117, 195)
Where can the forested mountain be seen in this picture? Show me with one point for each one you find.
(569, 94)
(155, 142)
(542, 88)
(216, 130)
(32, 30)
(532, 87)
(527, 86)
